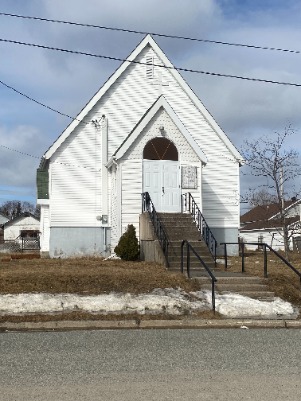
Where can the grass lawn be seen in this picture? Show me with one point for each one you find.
(85, 276)
(92, 276)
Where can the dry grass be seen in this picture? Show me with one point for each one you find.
(281, 279)
(24, 274)
(86, 276)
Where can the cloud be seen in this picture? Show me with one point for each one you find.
(66, 82)
(17, 168)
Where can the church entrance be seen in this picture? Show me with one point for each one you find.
(161, 174)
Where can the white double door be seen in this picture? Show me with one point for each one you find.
(161, 179)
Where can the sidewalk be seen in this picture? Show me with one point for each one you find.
(150, 324)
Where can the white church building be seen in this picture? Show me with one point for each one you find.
(145, 130)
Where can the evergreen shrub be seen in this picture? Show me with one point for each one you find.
(128, 247)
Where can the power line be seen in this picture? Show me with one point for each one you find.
(36, 101)
(19, 151)
(37, 157)
(155, 65)
(152, 33)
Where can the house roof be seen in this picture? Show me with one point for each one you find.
(267, 216)
(264, 212)
(269, 224)
(22, 216)
(147, 41)
(3, 218)
(161, 102)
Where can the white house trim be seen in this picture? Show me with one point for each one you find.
(161, 102)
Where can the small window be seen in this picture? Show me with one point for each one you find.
(160, 149)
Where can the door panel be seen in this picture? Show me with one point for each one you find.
(161, 179)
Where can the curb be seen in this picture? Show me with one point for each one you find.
(68, 325)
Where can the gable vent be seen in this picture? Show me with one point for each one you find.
(149, 67)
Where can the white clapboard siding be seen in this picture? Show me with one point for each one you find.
(124, 104)
(75, 172)
(44, 228)
(272, 238)
(131, 193)
(115, 207)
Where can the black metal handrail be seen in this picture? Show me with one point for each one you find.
(263, 246)
(189, 204)
(207, 268)
(148, 206)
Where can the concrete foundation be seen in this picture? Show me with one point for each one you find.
(79, 241)
(150, 249)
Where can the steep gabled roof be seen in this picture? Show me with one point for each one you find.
(147, 41)
(161, 102)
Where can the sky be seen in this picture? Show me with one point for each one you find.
(66, 82)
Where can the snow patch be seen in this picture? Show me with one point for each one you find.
(169, 301)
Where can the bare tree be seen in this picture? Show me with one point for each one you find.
(261, 197)
(15, 208)
(270, 158)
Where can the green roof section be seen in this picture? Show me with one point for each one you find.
(42, 183)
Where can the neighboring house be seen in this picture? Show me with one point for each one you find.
(262, 224)
(24, 226)
(3, 219)
(145, 130)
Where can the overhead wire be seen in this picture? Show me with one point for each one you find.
(36, 101)
(219, 42)
(155, 65)
(129, 61)
(37, 157)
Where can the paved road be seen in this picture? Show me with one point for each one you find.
(151, 365)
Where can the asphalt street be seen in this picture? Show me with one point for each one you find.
(233, 364)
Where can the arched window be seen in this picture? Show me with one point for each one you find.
(160, 149)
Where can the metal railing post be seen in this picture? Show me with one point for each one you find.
(213, 295)
(188, 261)
(225, 256)
(265, 265)
(182, 257)
(242, 257)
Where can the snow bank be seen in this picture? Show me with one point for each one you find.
(169, 301)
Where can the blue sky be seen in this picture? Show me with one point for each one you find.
(66, 82)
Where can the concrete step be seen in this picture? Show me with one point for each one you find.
(239, 288)
(237, 283)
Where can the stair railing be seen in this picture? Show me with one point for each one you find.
(189, 248)
(260, 245)
(148, 206)
(189, 205)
